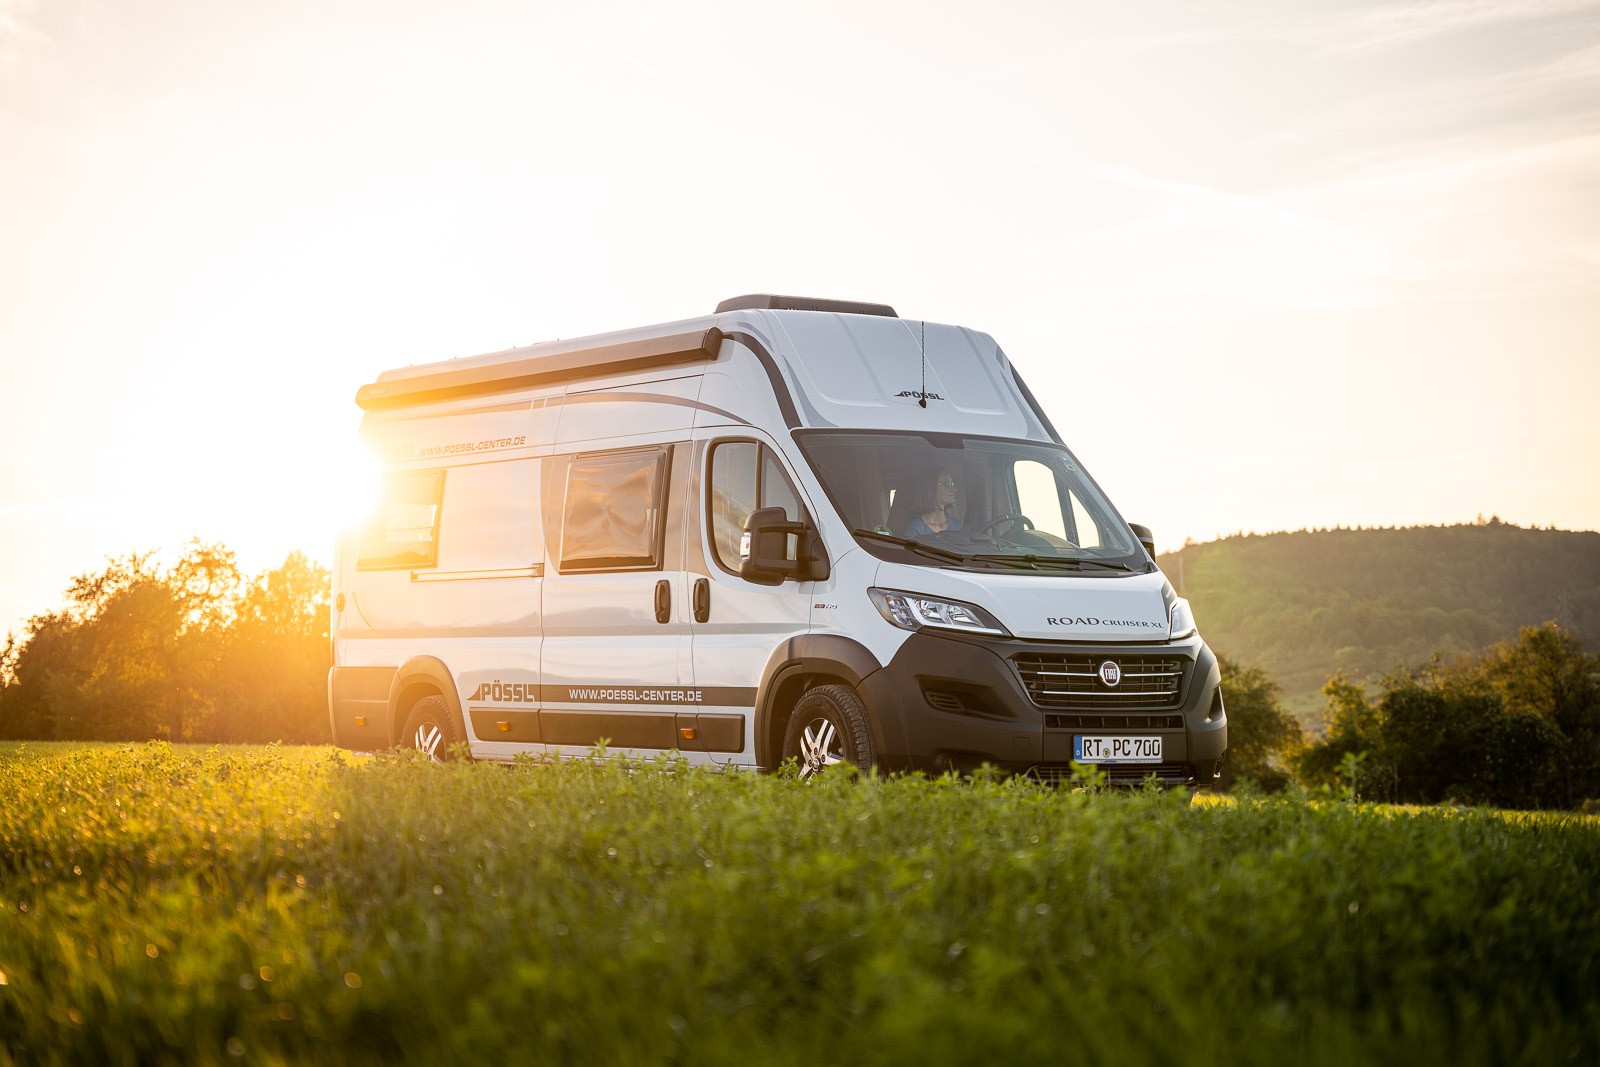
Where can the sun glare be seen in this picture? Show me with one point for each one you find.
(353, 486)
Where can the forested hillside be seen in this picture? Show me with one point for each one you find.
(1306, 604)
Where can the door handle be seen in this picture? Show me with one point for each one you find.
(663, 601)
(702, 599)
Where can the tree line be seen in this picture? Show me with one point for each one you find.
(193, 651)
(1308, 604)
(1516, 725)
(200, 652)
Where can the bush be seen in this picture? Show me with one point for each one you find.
(1514, 760)
(1514, 727)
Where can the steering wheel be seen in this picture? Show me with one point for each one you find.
(1013, 519)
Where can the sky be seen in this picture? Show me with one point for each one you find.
(1267, 264)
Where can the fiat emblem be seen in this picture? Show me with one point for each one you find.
(1110, 673)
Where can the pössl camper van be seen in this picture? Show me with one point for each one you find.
(795, 529)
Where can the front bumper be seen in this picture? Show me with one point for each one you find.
(955, 702)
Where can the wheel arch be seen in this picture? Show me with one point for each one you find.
(419, 677)
(801, 664)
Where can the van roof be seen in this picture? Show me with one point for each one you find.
(551, 362)
(828, 367)
(770, 302)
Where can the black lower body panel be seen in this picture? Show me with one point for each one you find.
(684, 731)
(358, 707)
(953, 702)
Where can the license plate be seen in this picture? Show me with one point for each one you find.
(1116, 749)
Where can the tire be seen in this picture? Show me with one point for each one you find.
(829, 726)
(432, 729)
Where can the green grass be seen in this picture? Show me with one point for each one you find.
(260, 905)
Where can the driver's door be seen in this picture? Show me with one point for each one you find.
(737, 624)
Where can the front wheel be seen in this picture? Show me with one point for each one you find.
(431, 729)
(829, 726)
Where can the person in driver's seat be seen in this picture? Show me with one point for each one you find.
(932, 500)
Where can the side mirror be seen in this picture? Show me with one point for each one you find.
(1146, 538)
(764, 549)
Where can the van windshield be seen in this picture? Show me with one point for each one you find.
(979, 501)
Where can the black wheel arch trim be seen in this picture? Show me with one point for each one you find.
(823, 654)
(428, 670)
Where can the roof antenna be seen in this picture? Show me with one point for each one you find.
(922, 347)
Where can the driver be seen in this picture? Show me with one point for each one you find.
(933, 500)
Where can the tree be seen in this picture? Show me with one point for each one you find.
(8, 660)
(183, 653)
(270, 673)
(1262, 736)
(1354, 730)
(1513, 727)
(1545, 673)
(25, 710)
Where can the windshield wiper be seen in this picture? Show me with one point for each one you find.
(915, 546)
(1030, 560)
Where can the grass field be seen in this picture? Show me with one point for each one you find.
(259, 905)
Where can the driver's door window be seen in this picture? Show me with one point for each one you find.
(745, 475)
(1058, 515)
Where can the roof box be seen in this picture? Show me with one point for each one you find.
(769, 302)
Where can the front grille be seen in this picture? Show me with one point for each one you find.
(1113, 722)
(1119, 773)
(1072, 680)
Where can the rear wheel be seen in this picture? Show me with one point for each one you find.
(828, 727)
(431, 729)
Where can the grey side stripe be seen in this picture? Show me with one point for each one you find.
(651, 398)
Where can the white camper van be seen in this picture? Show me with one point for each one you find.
(796, 528)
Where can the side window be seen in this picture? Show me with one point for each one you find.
(1038, 498)
(614, 515)
(745, 476)
(1088, 532)
(734, 468)
(776, 490)
(404, 529)
(1052, 509)
(491, 517)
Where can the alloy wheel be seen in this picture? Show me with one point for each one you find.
(427, 740)
(821, 745)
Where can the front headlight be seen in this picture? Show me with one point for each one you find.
(914, 611)
(1182, 620)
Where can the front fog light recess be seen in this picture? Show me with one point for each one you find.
(914, 611)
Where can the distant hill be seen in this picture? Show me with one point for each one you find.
(1305, 604)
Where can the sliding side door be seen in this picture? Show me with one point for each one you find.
(616, 639)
